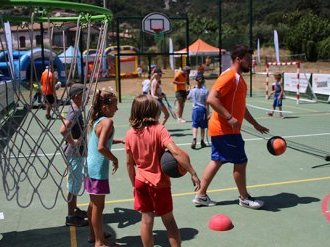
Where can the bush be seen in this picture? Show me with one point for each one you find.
(311, 51)
(324, 49)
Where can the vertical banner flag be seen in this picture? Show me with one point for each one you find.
(9, 42)
(258, 51)
(170, 49)
(277, 50)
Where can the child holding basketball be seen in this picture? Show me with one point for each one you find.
(145, 143)
(277, 91)
(99, 154)
(198, 95)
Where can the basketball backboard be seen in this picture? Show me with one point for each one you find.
(156, 23)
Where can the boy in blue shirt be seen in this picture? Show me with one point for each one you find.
(198, 95)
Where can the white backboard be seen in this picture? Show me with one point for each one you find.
(156, 22)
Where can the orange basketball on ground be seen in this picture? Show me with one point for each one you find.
(276, 145)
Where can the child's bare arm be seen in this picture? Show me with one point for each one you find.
(184, 160)
(118, 141)
(66, 133)
(130, 167)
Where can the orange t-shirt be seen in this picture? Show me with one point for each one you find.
(47, 82)
(147, 146)
(181, 77)
(232, 90)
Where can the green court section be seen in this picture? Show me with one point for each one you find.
(292, 185)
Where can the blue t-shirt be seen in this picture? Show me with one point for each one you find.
(198, 96)
(98, 165)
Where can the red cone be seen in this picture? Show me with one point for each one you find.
(220, 222)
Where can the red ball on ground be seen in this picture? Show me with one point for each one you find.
(220, 222)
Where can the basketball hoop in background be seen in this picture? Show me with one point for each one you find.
(157, 24)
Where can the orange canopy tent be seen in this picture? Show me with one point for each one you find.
(200, 48)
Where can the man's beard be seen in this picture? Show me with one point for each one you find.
(245, 69)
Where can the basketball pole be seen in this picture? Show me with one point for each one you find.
(250, 46)
(220, 37)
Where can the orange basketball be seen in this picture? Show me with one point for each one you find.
(276, 145)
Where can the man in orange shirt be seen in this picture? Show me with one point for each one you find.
(227, 98)
(181, 80)
(48, 89)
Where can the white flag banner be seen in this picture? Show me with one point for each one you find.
(276, 45)
(258, 51)
(9, 42)
(170, 49)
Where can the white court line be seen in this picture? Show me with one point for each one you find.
(182, 144)
(266, 109)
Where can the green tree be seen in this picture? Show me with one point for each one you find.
(304, 28)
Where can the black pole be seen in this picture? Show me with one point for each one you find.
(42, 46)
(81, 49)
(220, 38)
(187, 39)
(251, 46)
(118, 61)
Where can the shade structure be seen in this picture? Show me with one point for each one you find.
(200, 48)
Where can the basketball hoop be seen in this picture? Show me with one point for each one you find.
(156, 24)
(158, 34)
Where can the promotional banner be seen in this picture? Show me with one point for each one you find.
(276, 45)
(321, 84)
(290, 82)
(258, 49)
(9, 47)
(170, 50)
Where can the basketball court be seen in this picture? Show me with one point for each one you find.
(292, 185)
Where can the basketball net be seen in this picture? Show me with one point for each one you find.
(33, 164)
(158, 35)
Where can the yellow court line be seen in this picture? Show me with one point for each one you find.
(73, 236)
(226, 189)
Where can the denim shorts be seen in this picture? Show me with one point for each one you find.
(199, 118)
(228, 149)
(75, 174)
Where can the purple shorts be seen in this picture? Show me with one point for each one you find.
(97, 187)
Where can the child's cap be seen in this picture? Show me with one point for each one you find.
(278, 74)
(76, 89)
(199, 77)
(158, 71)
(186, 69)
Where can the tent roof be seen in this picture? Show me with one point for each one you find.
(67, 56)
(200, 47)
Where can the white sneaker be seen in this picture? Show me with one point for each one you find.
(203, 201)
(181, 120)
(250, 202)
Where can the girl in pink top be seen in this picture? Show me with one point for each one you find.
(145, 143)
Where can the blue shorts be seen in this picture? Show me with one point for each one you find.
(199, 118)
(75, 174)
(228, 148)
(277, 101)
